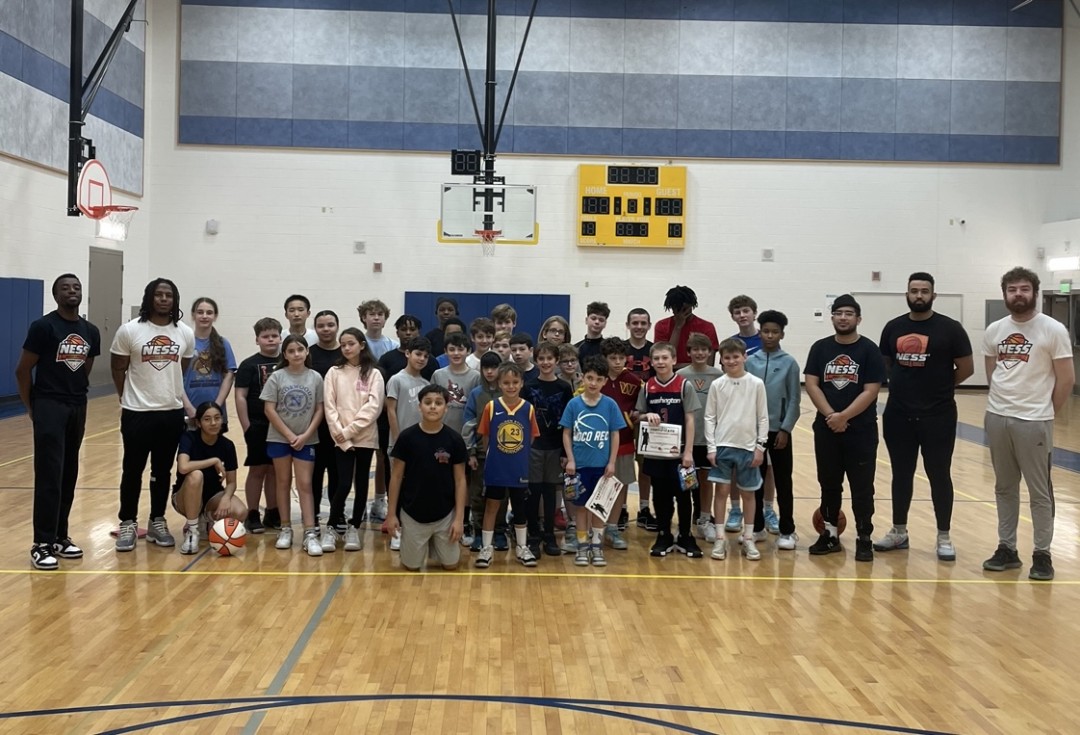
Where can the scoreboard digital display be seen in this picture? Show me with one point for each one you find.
(632, 206)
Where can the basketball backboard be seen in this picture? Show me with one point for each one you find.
(513, 211)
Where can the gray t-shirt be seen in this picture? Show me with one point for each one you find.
(700, 380)
(403, 389)
(460, 386)
(295, 396)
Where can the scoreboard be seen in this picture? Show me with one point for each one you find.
(631, 206)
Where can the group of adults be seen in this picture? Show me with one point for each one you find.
(922, 353)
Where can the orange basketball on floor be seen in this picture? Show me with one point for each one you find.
(228, 536)
(819, 522)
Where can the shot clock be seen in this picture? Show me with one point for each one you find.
(631, 206)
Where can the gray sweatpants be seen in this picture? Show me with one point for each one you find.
(1019, 447)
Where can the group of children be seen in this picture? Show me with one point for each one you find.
(476, 436)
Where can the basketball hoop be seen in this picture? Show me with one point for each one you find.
(113, 220)
(487, 241)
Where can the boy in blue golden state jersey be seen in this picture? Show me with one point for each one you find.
(509, 423)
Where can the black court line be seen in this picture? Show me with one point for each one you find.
(588, 706)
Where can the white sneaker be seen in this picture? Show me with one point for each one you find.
(311, 542)
(719, 549)
(379, 509)
(395, 541)
(483, 559)
(786, 542)
(353, 540)
(525, 556)
(749, 549)
(945, 549)
(710, 532)
(191, 540)
(284, 538)
(761, 535)
(699, 526)
(328, 541)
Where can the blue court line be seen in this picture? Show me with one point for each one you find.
(289, 664)
(590, 706)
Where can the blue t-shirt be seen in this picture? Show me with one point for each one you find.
(201, 382)
(592, 427)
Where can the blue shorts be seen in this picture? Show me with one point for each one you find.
(280, 450)
(588, 476)
(732, 462)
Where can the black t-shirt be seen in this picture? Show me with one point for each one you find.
(922, 355)
(843, 371)
(394, 361)
(323, 359)
(62, 348)
(435, 337)
(587, 348)
(549, 399)
(638, 361)
(196, 449)
(253, 374)
(427, 488)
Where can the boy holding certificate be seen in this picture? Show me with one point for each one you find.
(591, 424)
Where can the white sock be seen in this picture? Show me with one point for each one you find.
(597, 536)
(832, 530)
(900, 528)
(488, 537)
(521, 535)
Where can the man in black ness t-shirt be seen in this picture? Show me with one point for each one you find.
(53, 375)
(927, 355)
(843, 375)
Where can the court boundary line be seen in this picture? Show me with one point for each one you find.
(590, 706)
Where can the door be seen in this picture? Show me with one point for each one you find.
(104, 304)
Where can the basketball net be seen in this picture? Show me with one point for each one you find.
(113, 221)
(487, 241)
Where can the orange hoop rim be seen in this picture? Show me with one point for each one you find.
(488, 235)
(104, 211)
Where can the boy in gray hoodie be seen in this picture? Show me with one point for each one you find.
(780, 373)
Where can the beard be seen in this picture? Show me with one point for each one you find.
(920, 307)
(1019, 305)
(845, 331)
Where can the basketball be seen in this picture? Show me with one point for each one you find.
(819, 522)
(909, 343)
(228, 536)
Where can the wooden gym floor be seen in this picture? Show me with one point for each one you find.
(276, 642)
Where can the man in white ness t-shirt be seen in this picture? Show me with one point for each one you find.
(1029, 367)
(150, 355)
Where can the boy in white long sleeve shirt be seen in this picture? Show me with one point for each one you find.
(736, 432)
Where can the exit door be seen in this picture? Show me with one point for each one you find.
(104, 305)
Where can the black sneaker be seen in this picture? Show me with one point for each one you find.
(272, 519)
(1042, 569)
(826, 544)
(66, 549)
(688, 545)
(864, 549)
(534, 547)
(665, 542)
(1004, 558)
(41, 556)
(624, 519)
(254, 523)
(551, 547)
(646, 520)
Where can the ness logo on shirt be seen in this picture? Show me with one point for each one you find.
(160, 352)
(841, 371)
(1014, 350)
(73, 351)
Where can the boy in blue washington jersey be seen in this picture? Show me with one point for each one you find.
(591, 424)
(509, 423)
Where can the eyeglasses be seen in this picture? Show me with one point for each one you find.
(848, 314)
(555, 330)
(567, 362)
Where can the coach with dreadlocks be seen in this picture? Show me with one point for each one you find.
(149, 357)
(681, 302)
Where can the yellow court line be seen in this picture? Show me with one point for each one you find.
(525, 575)
(31, 456)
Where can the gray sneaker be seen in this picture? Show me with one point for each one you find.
(328, 540)
(569, 544)
(158, 532)
(598, 559)
(615, 538)
(945, 549)
(892, 540)
(125, 539)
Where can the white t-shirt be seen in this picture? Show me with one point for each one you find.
(736, 413)
(473, 361)
(1022, 383)
(155, 380)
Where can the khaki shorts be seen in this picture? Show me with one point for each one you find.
(432, 540)
(625, 469)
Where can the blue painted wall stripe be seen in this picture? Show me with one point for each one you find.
(661, 143)
(1040, 14)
